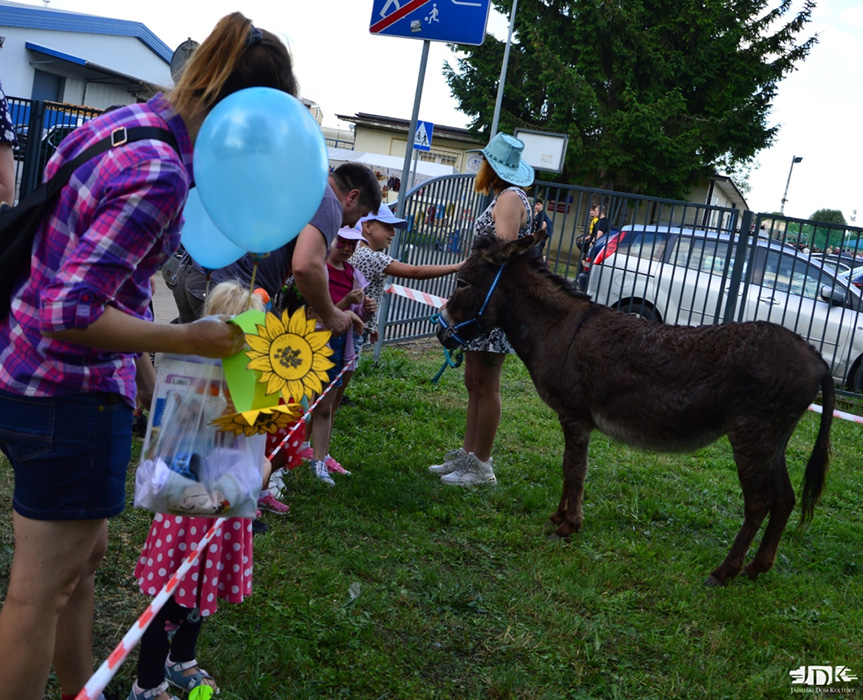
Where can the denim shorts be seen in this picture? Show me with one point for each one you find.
(70, 454)
(337, 345)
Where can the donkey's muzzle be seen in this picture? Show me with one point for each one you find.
(451, 335)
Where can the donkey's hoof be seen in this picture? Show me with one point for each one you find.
(712, 582)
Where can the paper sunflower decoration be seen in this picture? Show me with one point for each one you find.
(291, 355)
(260, 420)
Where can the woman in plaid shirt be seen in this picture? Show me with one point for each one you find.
(69, 348)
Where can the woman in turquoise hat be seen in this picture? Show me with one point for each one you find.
(508, 216)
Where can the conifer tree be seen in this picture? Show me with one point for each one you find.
(654, 94)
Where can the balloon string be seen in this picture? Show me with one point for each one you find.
(252, 283)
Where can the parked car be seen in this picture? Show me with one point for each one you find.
(51, 139)
(837, 263)
(683, 276)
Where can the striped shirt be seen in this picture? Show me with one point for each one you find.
(113, 226)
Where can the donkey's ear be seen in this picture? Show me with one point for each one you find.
(503, 251)
(539, 236)
(521, 245)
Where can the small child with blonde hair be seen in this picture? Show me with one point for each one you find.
(167, 651)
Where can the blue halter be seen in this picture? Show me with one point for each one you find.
(475, 320)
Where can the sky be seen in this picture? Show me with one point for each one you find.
(346, 70)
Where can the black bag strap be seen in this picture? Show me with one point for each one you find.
(118, 137)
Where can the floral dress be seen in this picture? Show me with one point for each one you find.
(495, 340)
(7, 132)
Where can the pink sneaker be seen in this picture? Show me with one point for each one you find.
(334, 467)
(270, 503)
(307, 453)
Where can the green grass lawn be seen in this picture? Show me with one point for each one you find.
(392, 585)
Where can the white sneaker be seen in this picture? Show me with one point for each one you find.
(319, 469)
(452, 461)
(471, 473)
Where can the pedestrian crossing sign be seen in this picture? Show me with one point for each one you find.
(423, 136)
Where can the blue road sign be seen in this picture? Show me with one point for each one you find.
(423, 136)
(453, 21)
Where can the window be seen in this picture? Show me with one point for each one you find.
(786, 273)
(646, 244)
(701, 254)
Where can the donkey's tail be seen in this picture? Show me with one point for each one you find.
(816, 468)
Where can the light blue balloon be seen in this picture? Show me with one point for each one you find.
(261, 167)
(204, 241)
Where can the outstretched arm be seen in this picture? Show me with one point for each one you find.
(420, 272)
(121, 332)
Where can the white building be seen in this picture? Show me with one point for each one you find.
(79, 59)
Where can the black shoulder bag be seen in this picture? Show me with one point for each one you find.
(18, 224)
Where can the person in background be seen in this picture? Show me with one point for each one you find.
(69, 348)
(597, 228)
(509, 216)
(541, 222)
(8, 140)
(352, 192)
(347, 292)
(378, 230)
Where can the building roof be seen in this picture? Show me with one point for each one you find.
(30, 17)
(730, 190)
(383, 123)
(84, 69)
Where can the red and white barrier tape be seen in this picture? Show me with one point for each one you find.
(838, 414)
(103, 675)
(416, 295)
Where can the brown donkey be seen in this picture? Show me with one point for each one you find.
(662, 388)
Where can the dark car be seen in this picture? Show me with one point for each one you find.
(51, 139)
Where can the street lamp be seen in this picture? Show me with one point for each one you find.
(794, 159)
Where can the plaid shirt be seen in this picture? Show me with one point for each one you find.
(113, 226)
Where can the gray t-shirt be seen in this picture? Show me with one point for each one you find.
(276, 267)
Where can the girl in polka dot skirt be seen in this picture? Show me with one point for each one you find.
(168, 647)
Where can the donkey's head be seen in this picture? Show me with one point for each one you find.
(476, 304)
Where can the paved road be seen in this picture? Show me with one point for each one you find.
(164, 306)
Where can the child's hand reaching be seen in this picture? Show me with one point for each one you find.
(370, 305)
(355, 296)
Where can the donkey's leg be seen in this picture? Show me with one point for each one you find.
(781, 506)
(753, 471)
(568, 516)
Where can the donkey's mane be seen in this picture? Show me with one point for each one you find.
(535, 264)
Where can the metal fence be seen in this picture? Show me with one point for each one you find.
(51, 122)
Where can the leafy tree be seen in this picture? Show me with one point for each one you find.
(654, 94)
(829, 216)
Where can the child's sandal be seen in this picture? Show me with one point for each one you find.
(174, 675)
(150, 693)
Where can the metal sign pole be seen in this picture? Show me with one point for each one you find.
(500, 83)
(406, 169)
(414, 175)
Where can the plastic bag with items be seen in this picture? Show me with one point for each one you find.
(188, 465)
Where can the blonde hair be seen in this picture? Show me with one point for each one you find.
(234, 56)
(487, 180)
(231, 298)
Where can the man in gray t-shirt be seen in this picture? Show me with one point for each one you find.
(352, 192)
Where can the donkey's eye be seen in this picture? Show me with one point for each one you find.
(460, 284)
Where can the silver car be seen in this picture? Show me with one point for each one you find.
(686, 276)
